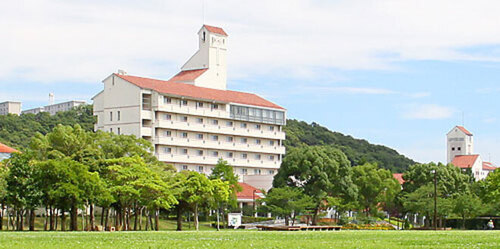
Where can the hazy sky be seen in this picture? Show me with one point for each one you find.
(394, 72)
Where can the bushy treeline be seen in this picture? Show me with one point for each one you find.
(358, 151)
(313, 179)
(70, 170)
(17, 131)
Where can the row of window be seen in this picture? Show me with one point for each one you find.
(214, 153)
(215, 122)
(229, 139)
(118, 130)
(118, 116)
(243, 171)
(184, 102)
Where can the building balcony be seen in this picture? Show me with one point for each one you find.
(209, 160)
(220, 129)
(218, 145)
(148, 115)
(146, 131)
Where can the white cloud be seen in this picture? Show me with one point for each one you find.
(428, 111)
(49, 40)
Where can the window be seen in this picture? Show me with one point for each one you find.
(230, 139)
(184, 119)
(215, 153)
(244, 156)
(215, 138)
(110, 116)
(119, 116)
(243, 125)
(271, 158)
(257, 157)
(184, 151)
(200, 153)
(244, 171)
(167, 150)
(110, 129)
(215, 122)
(230, 154)
(199, 104)
(184, 102)
(244, 140)
(184, 135)
(271, 128)
(184, 167)
(256, 171)
(119, 131)
(257, 141)
(229, 123)
(271, 172)
(453, 148)
(200, 169)
(459, 148)
(215, 106)
(199, 120)
(168, 133)
(168, 117)
(257, 126)
(167, 100)
(199, 136)
(271, 143)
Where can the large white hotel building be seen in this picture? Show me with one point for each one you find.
(193, 120)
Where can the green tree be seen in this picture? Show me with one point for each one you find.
(4, 172)
(321, 171)
(467, 206)
(286, 202)
(376, 187)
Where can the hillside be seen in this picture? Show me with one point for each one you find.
(17, 131)
(357, 150)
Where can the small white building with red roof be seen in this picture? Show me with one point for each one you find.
(460, 143)
(6, 151)
(193, 120)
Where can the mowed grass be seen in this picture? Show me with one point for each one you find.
(252, 239)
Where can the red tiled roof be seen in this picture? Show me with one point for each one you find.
(188, 75)
(216, 30)
(465, 161)
(247, 192)
(6, 149)
(468, 133)
(489, 166)
(188, 90)
(399, 177)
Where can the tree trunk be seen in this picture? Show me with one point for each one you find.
(56, 217)
(63, 220)
(92, 218)
(106, 223)
(1, 216)
(73, 226)
(46, 222)
(463, 222)
(32, 220)
(196, 223)
(84, 211)
(136, 217)
(147, 219)
(179, 218)
(21, 220)
(157, 220)
(51, 218)
(140, 218)
(287, 220)
(103, 210)
(315, 216)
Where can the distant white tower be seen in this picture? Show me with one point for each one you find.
(460, 142)
(210, 58)
(51, 98)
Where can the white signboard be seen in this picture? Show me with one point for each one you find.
(234, 220)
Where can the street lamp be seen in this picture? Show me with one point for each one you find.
(435, 198)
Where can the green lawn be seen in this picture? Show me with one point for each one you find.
(253, 239)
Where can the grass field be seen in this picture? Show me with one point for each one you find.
(253, 239)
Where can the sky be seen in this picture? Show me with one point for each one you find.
(396, 73)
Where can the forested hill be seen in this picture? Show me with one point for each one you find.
(17, 131)
(357, 150)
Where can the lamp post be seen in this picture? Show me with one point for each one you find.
(435, 198)
(254, 204)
